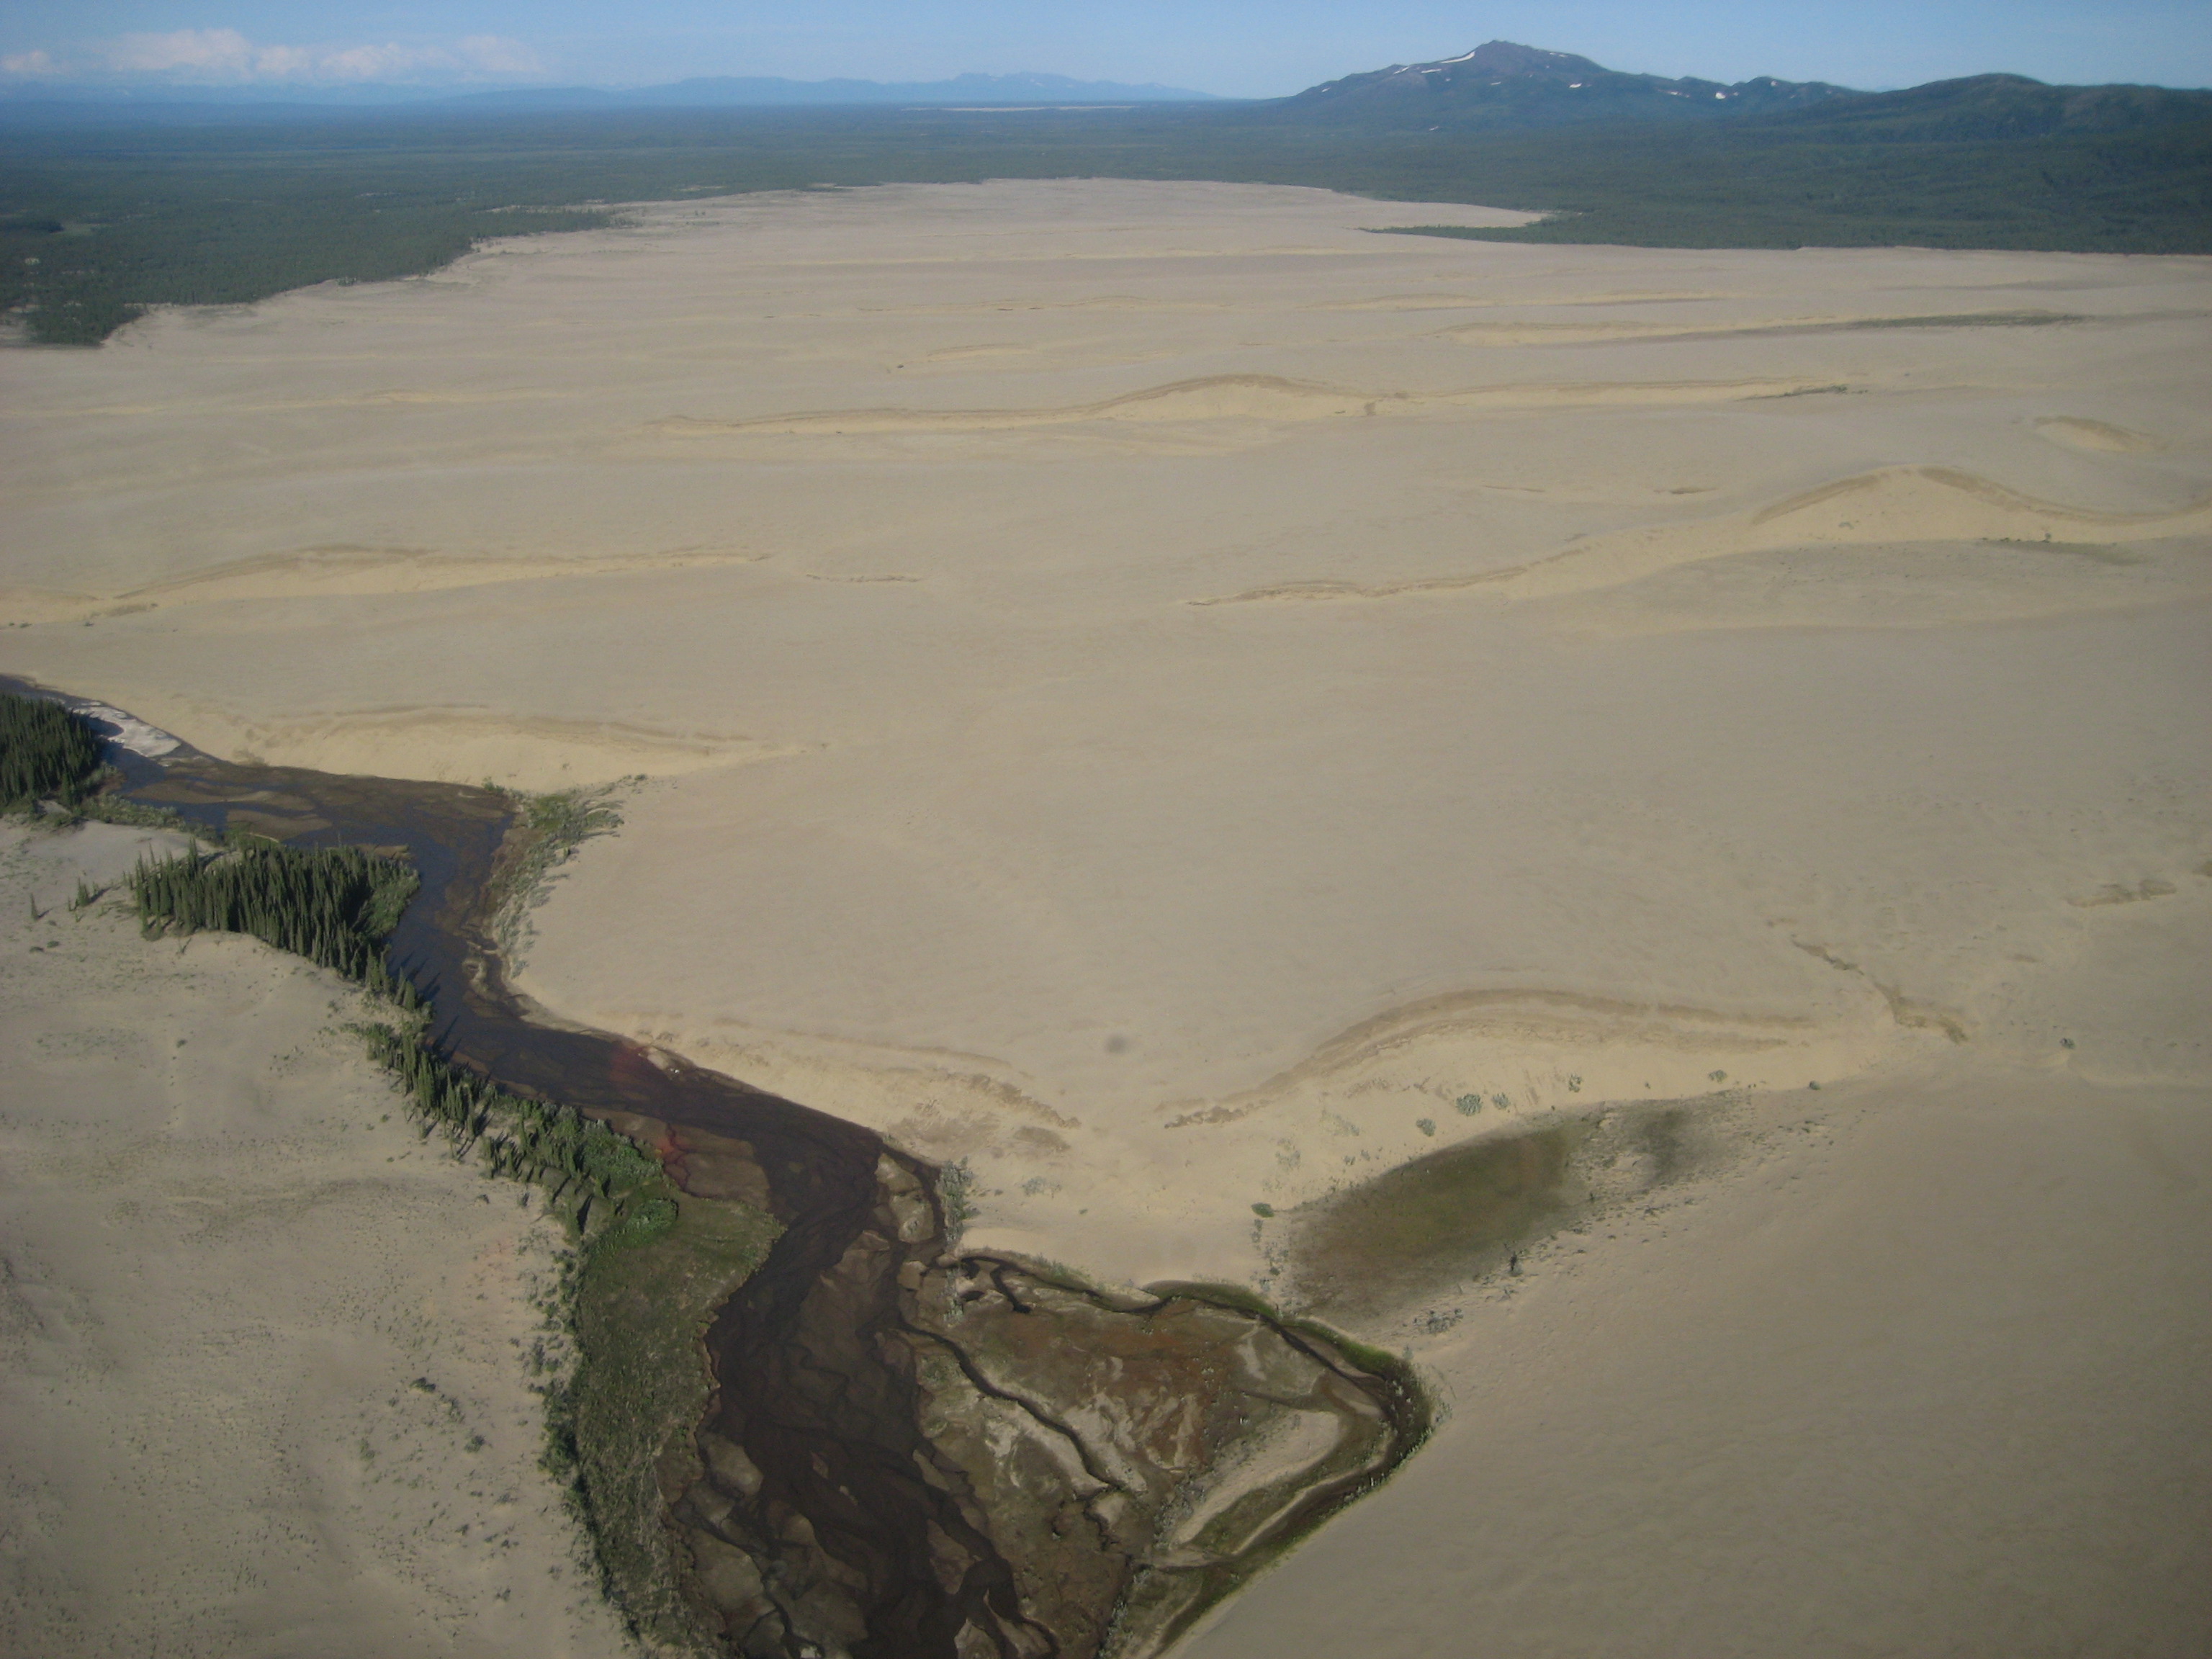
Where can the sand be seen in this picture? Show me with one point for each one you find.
(1166, 695)
(1921, 1372)
(263, 1354)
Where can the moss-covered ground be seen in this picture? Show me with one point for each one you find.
(640, 1300)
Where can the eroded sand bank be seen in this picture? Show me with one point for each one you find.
(263, 1369)
(1170, 696)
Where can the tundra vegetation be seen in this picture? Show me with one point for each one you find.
(548, 830)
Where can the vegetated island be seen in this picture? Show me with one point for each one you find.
(106, 212)
(799, 1419)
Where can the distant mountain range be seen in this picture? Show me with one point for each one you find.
(711, 92)
(1499, 87)
(773, 92)
(1502, 86)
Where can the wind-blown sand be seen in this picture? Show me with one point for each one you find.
(263, 1377)
(1165, 695)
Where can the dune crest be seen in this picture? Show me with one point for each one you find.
(1892, 505)
(1469, 301)
(1583, 333)
(1218, 397)
(2096, 437)
(1559, 1043)
(1267, 398)
(344, 570)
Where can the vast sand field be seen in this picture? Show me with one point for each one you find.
(1189, 705)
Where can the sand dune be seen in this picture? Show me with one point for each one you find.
(1467, 301)
(2095, 437)
(1542, 333)
(1264, 397)
(1094, 302)
(341, 572)
(1899, 585)
(1894, 506)
(1629, 1037)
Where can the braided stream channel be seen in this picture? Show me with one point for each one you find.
(906, 1451)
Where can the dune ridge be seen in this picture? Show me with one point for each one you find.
(1543, 333)
(345, 570)
(1470, 301)
(1612, 1036)
(2095, 437)
(1891, 505)
(1268, 398)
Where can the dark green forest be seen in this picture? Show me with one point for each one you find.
(98, 222)
(46, 753)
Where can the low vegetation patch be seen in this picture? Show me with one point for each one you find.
(548, 830)
(645, 1290)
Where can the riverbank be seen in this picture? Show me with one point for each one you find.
(264, 1352)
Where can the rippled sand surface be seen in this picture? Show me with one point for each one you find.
(1170, 696)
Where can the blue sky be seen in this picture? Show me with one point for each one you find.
(1239, 47)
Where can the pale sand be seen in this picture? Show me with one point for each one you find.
(1923, 1373)
(262, 1378)
(1160, 692)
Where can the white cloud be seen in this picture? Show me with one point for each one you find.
(223, 53)
(227, 55)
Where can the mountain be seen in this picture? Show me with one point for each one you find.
(1504, 85)
(1983, 108)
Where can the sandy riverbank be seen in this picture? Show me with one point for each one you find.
(263, 1365)
(1190, 705)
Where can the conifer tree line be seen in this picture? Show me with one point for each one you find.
(575, 1157)
(46, 752)
(332, 905)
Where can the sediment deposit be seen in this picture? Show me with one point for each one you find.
(1189, 706)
